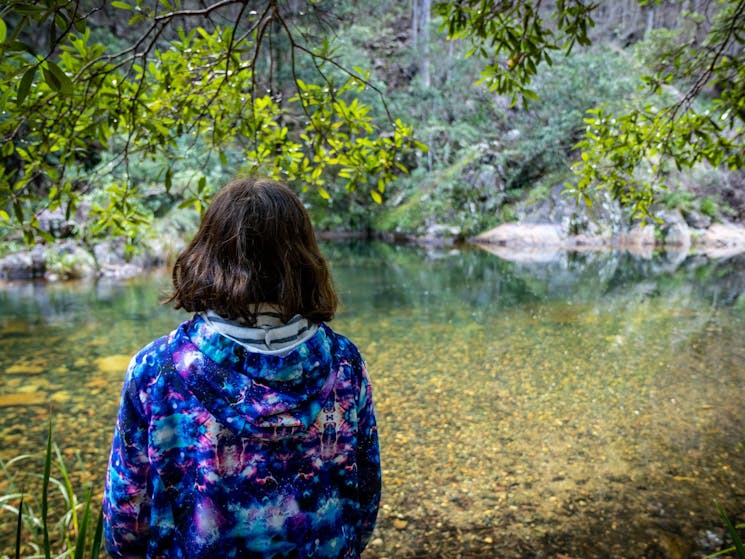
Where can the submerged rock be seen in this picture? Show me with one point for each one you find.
(23, 399)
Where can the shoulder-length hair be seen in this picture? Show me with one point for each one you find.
(255, 245)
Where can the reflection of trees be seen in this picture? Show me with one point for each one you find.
(75, 303)
(380, 276)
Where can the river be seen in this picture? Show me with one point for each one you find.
(591, 406)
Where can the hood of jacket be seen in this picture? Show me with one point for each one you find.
(255, 394)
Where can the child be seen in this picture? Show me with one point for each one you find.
(248, 431)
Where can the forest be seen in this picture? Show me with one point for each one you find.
(404, 120)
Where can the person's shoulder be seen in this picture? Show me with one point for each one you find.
(343, 346)
(152, 356)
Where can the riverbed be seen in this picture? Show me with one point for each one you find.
(590, 406)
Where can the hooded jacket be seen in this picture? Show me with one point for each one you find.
(221, 451)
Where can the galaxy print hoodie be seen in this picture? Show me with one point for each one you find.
(221, 450)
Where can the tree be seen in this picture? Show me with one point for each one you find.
(629, 153)
(201, 75)
(266, 81)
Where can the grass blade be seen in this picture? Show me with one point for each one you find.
(19, 526)
(45, 493)
(739, 548)
(97, 536)
(67, 488)
(82, 534)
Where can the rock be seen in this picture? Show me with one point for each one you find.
(23, 399)
(69, 261)
(114, 262)
(522, 235)
(113, 363)
(675, 231)
(56, 223)
(670, 545)
(710, 540)
(600, 221)
(25, 369)
(400, 524)
(721, 240)
(697, 220)
(23, 265)
(438, 231)
(639, 240)
(60, 396)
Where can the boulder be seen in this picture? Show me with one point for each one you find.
(55, 223)
(588, 224)
(440, 231)
(69, 261)
(23, 265)
(523, 235)
(675, 231)
(721, 240)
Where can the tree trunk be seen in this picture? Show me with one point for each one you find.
(421, 12)
(650, 21)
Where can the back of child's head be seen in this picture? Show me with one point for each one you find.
(255, 245)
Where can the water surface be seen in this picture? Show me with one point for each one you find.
(586, 407)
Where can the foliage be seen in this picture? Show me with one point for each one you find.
(547, 134)
(69, 99)
(493, 156)
(115, 130)
(514, 37)
(73, 535)
(631, 151)
(465, 197)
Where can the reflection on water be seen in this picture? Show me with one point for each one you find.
(590, 406)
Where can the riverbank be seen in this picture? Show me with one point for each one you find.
(521, 241)
(544, 242)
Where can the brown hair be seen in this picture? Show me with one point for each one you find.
(255, 245)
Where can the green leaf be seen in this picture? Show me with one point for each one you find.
(25, 84)
(122, 5)
(51, 80)
(3, 31)
(79, 24)
(56, 78)
(375, 195)
(8, 149)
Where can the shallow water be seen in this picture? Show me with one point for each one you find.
(588, 407)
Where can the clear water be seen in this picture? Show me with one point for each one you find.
(591, 407)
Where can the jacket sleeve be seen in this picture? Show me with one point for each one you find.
(126, 502)
(368, 461)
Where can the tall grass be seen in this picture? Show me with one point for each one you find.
(72, 535)
(738, 546)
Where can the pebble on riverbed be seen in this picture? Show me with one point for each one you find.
(23, 399)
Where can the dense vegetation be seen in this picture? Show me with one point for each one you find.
(123, 118)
